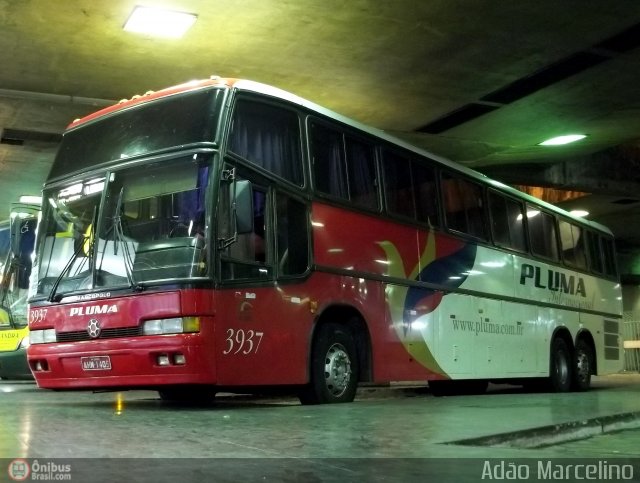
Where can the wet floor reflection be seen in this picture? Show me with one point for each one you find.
(399, 423)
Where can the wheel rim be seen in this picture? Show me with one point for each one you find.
(337, 370)
(562, 367)
(582, 366)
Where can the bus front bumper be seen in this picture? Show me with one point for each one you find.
(141, 362)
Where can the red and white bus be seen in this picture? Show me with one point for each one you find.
(225, 235)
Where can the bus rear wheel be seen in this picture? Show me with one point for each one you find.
(333, 369)
(582, 366)
(560, 366)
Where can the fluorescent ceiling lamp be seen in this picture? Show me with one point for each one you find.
(580, 213)
(31, 199)
(159, 22)
(560, 140)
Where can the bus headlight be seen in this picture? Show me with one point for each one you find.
(176, 325)
(42, 336)
(24, 343)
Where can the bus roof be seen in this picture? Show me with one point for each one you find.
(267, 90)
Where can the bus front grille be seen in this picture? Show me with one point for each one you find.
(116, 333)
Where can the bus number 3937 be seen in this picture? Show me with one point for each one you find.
(242, 341)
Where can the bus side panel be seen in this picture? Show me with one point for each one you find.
(264, 336)
(608, 341)
(370, 247)
(261, 335)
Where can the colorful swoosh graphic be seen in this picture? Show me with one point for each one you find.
(412, 308)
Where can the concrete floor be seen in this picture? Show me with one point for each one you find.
(388, 434)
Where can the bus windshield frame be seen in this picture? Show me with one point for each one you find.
(143, 223)
(180, 121)
(138, 213)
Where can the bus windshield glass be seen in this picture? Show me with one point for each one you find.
(150, 228)
(188, 119)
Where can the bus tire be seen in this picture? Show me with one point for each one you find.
(187, 394)
(560, 366)
(333, 367)
(582, 366)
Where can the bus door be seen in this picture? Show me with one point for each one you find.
(263, 327)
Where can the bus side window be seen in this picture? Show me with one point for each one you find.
(267, 136)
(425, 193)
(507, 225)
(397, 185)
(463, 205)
(542, 233)
(249, 256)
(609, 252)
(572, 244)
(328, 158)
(595, 255)
(361, 166)
(292, 237)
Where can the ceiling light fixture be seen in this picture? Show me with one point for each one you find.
(30, 199)
(159, 22)
(580, 213)
(560, 140)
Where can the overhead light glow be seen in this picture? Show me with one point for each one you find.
(530, 214)
(159, 22)
(560, 140)
(581, 213)
(30, 199)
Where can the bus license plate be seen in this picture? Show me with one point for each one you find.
(96, 363)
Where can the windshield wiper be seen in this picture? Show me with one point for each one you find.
(53, 296)
(119, 238)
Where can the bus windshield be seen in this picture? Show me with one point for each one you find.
(150, 228)
(188, 119)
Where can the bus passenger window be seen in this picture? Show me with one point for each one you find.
(572, 243)
(463, 206)
(507, 222)
(362, 173)
(292, 237)
(425, 193)
(268, 136)
(595, 256)
(397, 185)
(410, 188)
(329, 167)
(609, 252)
(542, 233)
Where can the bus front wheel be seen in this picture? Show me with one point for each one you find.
(560, 370)
(333, 369)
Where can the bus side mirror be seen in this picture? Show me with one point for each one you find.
(240, 212)
(243, 207)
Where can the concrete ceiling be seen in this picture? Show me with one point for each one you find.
(481, 82)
